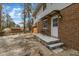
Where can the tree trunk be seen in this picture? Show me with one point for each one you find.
(0, 18)
(24, 25)
(24, 29)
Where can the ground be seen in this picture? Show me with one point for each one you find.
(27, 45)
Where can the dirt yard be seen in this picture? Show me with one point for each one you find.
(27, 45)
(22, 45)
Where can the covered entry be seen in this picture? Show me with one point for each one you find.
(54, 23)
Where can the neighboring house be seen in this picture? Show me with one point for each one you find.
(16, 30)
(59, 20)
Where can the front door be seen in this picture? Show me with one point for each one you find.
(54, 26)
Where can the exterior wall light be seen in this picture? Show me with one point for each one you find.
(60, 16)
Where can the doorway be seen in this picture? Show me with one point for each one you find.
(54, 26)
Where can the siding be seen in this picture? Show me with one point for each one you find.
(37, 15)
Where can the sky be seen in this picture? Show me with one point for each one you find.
(15, 10)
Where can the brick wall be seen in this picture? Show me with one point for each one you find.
(49, 26)
(69, 26)
(40, 26)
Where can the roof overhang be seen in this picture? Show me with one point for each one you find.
(54, 12)
(50, 13)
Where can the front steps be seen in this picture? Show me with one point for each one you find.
(55, 45)
(50, 42)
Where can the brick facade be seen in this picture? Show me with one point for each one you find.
(69, 26)
(40, 26)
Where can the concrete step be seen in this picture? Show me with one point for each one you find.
(58, 50)
(50, 42)
(47, 39)
(54, 40)
(55, 45)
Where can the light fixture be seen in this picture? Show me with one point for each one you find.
(59, 16)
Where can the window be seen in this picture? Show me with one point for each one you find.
(55, 22)
(44, 6)
(45, 24)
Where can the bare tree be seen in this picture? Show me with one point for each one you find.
(26, 14)
(29, 11)
(7, 21)
(0, 17)
(24, 19)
